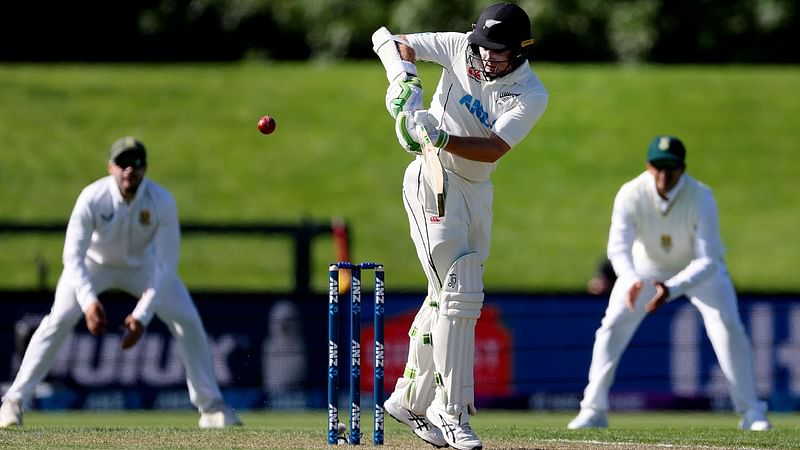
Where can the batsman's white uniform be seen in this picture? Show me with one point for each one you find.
(452, 248)
(133, 247)
(676, 241)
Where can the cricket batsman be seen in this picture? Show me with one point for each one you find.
(487, 101)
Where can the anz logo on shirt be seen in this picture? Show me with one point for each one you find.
(474, 106)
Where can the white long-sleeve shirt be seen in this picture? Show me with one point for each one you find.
(675, 240)
(508, 106)
(107, 231)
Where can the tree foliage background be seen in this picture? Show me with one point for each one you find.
(661, 31)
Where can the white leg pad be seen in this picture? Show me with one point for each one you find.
(384, 44)
(454, 335)
(462, 290)
(415, 389)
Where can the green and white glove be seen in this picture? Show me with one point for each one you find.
(404, 94)
(405, 126)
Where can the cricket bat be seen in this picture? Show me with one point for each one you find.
(435, 171)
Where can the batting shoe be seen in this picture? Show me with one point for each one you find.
(589, 418)
(417, 423)
(10, 414)
(219, 416)
(755, 420)
(457, 434)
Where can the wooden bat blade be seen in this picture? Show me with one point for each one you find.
(435, 171)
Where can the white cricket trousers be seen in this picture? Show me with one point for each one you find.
(174, 307)
(439, 242)
(715, 299)
(466, 226)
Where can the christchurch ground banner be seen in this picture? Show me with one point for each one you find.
(532, 352)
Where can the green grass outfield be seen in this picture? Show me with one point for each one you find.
(335, 154)
(498, 429)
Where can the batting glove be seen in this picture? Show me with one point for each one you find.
(404, 94)
(405, 126)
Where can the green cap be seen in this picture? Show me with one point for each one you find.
(666, 148)
(127, 144)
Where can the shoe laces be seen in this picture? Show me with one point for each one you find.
(420, 421)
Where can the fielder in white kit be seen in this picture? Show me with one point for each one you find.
(123, 234)
(664, 243)
(487, 101)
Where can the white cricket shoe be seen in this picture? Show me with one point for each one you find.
(219, 416)
(418, 423)
(755, 420)
(457, 434)
(589, 418)
(10, 414)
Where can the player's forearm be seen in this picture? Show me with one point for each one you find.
(478, 148)
(75, 270)
(407, 52)
(168, 238)
(76, 245)
(145, 308)
(693, 274)
(620, 240)
(708, 250)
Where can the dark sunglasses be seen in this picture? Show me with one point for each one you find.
(124, 161)
(666, 165)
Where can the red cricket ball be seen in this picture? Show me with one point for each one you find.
(266, 125)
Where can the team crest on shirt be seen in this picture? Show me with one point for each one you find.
(666, 242)
(144, 217)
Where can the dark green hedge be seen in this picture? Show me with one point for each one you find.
(742, 31)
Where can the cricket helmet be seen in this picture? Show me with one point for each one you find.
(500, 27)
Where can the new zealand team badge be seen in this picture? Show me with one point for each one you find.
(666, 242)
(144, 217)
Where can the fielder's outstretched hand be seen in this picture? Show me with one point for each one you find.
(405, 126)
(404, 94)
(133, 331)
(95, 317)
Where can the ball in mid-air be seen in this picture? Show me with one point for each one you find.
(266, 125)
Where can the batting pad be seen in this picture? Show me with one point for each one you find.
(454, 335)
(462, 290)
(416, 387)
(383, 44)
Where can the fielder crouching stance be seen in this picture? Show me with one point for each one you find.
(664, 242)
(123, 234)
(488, 99)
